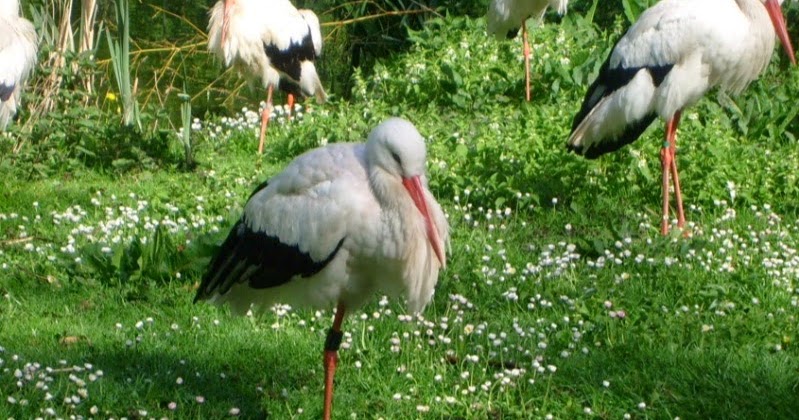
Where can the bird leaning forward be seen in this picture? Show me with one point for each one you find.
(339, 224)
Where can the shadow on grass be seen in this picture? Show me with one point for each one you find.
(198, 380)
(731, 383)
(155, 377)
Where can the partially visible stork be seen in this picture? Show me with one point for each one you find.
(339, 224)
(673, 54)
(505, 16)
(270, 40)
(18, 48)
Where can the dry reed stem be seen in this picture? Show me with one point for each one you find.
(170, 72)
(56, 59)
(87, 39)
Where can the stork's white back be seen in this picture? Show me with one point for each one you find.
(18, 49)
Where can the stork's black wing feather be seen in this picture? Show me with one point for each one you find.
(257, 259)
(5, 91)
(608, 81)
(289, 60)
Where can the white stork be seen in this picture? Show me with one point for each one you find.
(673, 54)
(18, 48)
(505, 16)
(270, 40)
(339, 224)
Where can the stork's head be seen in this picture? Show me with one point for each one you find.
(775, 13)
(397, 149)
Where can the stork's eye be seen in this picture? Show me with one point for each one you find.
(396, 158)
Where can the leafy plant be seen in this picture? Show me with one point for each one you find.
(185, 133)
(158, 257)
(120, 59)
(634, 8)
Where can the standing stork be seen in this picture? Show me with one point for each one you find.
(270, 40)
(505, 17)
(673, 54)
(340, 223)
(18, 48)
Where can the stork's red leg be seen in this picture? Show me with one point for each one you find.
(668, 165)
(265, 114)
(290, 103)
(665, 165)
(672, 133)
(526, 60)
(332, 344)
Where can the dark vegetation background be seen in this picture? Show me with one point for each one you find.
(169, 58)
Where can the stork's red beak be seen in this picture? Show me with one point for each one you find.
(416, 190)
(226, 18)
(775, 13)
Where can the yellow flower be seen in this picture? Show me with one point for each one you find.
(111, 97)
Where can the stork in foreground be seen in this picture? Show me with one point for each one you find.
(18, 48)
(673, 54)
(505, 16)
(270, 40)
(339, 224)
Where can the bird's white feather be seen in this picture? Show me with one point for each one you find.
(254, 24)
(341, 192)
(672, 31)
(611, 115)
(697, 39)
(507, 15)
(18, 49)
(316, 30)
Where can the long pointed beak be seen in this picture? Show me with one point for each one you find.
(226, 18)
(775, 13)
(416, 190)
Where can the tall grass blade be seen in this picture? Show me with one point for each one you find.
(120, 61)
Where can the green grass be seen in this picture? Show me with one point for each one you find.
(560, 297)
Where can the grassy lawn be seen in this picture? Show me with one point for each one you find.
(561, 298)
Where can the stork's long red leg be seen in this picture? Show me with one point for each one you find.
(265, 114)
(675, 178)
(290, 103)
(665, 165)
(668, 165)
(526, 60)
(332, 344)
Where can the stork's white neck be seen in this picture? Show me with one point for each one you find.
(753, 9)
(404, 238)
(9, 8)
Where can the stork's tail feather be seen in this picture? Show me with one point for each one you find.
(595, 149)
(7, 111)
(617, 108)
(219, 277)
